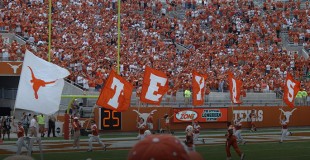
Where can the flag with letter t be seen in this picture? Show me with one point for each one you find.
(40, 85)
(116, 94)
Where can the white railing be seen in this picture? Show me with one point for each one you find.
(304, 53)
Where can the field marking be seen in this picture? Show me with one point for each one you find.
(127, 144)
(270, 157)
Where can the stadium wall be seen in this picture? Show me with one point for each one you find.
(265, 117)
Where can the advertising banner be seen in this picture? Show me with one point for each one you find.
(200, 114)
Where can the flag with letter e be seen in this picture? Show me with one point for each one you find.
(155, 86)
(40, 85)
(199, 86)
(234, 88)
(291, 88)
(116, 94)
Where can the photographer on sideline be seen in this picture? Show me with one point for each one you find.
(6, 126)
(74, 110)
(26, 122)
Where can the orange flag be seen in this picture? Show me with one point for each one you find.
(116, 93)
(199, 87)
(155, 86)
(291, 88)
(234, 88)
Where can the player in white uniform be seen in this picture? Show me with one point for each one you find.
(149, 121)
(167, 122)
(190, 138)
(253, 120)
(147, 133)
(141, 127)
(284, 131)
(94, 136)
(197, 128)
(238, 130)
(20, 141)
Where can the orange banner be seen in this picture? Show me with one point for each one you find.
(265, 117)
(11, 68)
(200, 114)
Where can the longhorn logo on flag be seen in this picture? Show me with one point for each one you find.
(37, 83)
(199, 86)
(116, 94)
(40, 85)
(291, 89)
(234, 88)
(155, 85)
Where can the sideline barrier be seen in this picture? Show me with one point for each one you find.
(269, 116)
(266, 117)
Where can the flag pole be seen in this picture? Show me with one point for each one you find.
(232, 111)
(49, 29)
(282, 109)
(192, 117)
(118, 34)
(90, 117)
(138, 120)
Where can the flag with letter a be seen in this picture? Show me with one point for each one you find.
(116, 94)
(40, 85)
(199, 87)
(291, 88)
(155, 86)
(234, 88)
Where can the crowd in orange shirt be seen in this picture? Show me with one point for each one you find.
(221, 36)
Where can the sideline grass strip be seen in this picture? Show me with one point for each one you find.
(254, 151)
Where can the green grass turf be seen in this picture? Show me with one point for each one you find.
(253, 151)
(178, 133)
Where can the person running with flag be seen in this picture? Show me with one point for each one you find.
(142, 128)
(284, 131)
(76, 136)
(94, 136)
(231, 140)
(238, 130)
(189, 141)
(253, 119)
(20, 135)
(197, 128)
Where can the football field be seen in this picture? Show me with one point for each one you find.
(262, 145)
(254, 151)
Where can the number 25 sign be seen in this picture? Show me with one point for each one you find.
(110, 120)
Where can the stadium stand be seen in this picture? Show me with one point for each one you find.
(260, 41)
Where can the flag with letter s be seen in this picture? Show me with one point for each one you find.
(291, 88)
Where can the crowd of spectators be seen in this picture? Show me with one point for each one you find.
(223, 36)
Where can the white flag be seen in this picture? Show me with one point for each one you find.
(40, 85)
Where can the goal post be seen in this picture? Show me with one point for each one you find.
(73, 97)
(66, 125)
